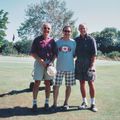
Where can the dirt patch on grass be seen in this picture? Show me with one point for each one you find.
(108, 58)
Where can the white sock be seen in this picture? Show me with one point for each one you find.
(34, 101)
(93, 101)
(85, 100)
(47, 101)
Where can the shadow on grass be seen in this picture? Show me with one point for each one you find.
(20, 111)
(14, 92)
(25, 111)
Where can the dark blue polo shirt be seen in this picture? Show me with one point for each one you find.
(85, 47)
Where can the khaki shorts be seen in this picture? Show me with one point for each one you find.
(40, 72)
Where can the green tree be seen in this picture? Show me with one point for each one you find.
(3, 23)
(7, 48)
(109, 36)
(74, 32)
(96, 35)
(107, 40)
(118, 41)
(53, 11)
(23, 46)
(1, 43)
(118, 35)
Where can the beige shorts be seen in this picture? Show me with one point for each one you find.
(40, 72)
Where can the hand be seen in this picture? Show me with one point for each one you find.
(92, 67)
(50, 64)
(43, 62)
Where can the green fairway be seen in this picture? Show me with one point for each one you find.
(15, 74)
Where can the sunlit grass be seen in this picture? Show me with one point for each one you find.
(17, 76)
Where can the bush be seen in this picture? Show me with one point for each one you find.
(113, 54)
(23, 46)
(99, 53)
(9, 51)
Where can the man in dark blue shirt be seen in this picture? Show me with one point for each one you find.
(86, 52)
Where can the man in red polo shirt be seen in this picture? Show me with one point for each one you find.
(43, 51)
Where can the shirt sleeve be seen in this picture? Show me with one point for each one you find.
(93, 47)
(55, 51)
(34, 47)
(74, 48)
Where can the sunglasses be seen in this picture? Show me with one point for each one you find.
(67, 31)
(46, 28)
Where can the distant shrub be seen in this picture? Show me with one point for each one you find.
(113, 54)
(99, 53)
(9, 50)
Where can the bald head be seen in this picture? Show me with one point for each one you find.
(83, 29)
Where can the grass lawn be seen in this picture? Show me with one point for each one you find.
(16, 99)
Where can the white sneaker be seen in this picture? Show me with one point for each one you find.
(66, 107)
(83, 106)
(93, 108)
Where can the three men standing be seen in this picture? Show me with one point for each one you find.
(44, 51)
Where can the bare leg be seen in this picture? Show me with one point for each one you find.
(36, 88)
(47, 88)
(67, 94)
(82, 88)
(91, 88)
(55, 96)
(83, 92)
(92, 95)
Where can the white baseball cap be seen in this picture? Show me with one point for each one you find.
(51, 70)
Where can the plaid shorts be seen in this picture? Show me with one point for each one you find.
(69, 78)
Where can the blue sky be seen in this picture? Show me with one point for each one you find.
(97, 14)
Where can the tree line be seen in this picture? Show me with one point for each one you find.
(55, 12)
